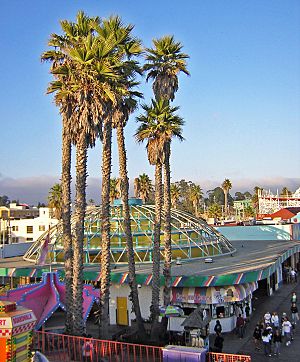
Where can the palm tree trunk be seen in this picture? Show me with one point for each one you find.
(225, 202)
(80, 206)
(167, 232)
(105, 227)
(154, 309)
(127, 228)
(66, 225)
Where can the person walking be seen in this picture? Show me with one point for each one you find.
(240, 324)
(88, 349)
(219, 340)
(293, 276)
(218, 327)
(277, 339)
(275, 320)
(266, 339)
(287, 330)
(267, 318)
(295, 316)
(294, 297)
(257, 337)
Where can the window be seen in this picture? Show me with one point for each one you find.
(29, 239)
(15, 228)
(29, 229)
(15, 239)
(42, 228)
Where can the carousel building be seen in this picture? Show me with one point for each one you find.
(208, 271)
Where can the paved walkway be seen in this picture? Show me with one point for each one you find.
(279, 302)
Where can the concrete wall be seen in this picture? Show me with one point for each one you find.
(145, 294)
(258, 232)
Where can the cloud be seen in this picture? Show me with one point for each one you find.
(32, 190)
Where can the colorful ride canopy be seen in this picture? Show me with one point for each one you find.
(46, 297)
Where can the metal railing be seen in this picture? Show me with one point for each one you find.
(65, 348)
(225, 357)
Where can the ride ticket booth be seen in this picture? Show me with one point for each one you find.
(16, 325)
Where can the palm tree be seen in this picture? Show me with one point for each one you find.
(163, 64)
(175, 194)
(226, 186)
(85, 63)
(285, 192)
(215, 211)
(255, 198)
(158, 125)
(124, 49)
(114, 192)
(125, 106)
(145, 187)
(196, 195)
(55, 200)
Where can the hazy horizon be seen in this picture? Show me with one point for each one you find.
(32, 190)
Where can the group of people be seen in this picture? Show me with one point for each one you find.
(272, 331)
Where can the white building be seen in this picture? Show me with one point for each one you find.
(31, 229)
(268, 203)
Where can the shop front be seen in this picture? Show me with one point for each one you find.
(224, 303)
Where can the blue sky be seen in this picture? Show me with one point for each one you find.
(241, 104)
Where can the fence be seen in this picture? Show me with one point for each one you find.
(64, 348)
(224, 357)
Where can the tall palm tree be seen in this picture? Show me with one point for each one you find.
(163, 64)
(226, 186)
(55, 200)
(145, 187)
(125, 107)
(158, 125)
(85, 64)
(125, 48)
(196, 195)
(175, 194)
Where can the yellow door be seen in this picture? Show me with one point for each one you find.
(122, 314)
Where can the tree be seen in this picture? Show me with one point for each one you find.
(82, 65)
(238, 196)
(175, 194)
(4, 200)
(114, 192)
(249, 211)
(196, 195)
(158, 125)
(285, 192)
(255, 198)
(55, 200)
(226, 186)
(163, 64)
(125, 106)
(125, 49)
(145, 187)
(215, 211)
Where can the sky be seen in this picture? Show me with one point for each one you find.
(241, 104)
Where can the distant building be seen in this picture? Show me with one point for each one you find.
(18, 211)
(269, 203)
(240, 206)
(24, 224)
